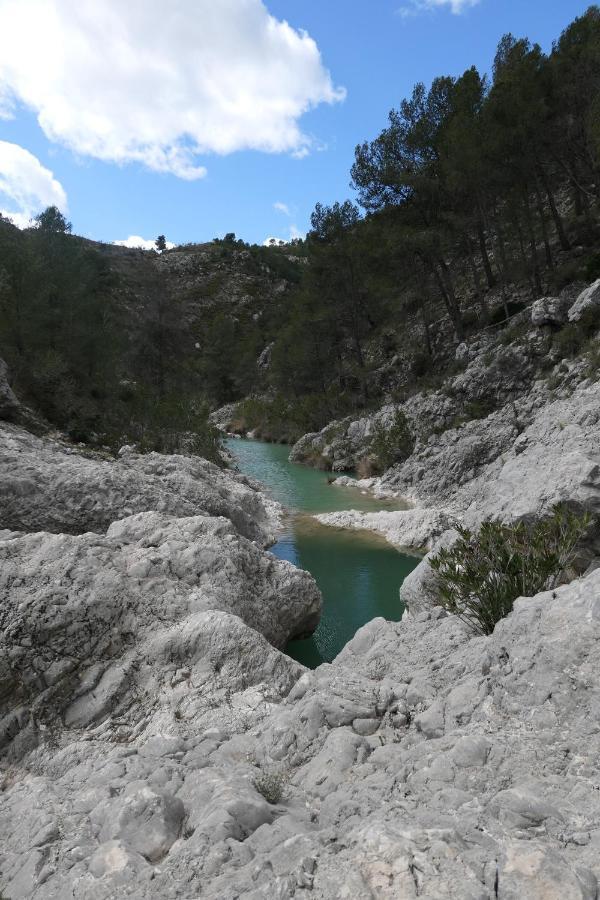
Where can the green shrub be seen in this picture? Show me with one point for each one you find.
(593, 362)
(391, 445)
(272, 786)
(481, 575)
(566, 274)
(480, 409)
(172, 424)
(421, 364)
(574, 338)
(592, 269)
(280, 420)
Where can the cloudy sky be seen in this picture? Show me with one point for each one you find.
(193, 118)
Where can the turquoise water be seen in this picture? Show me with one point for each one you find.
(359, 574)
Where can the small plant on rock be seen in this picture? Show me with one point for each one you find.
(391, 445)
(272, 785)
(482, 574)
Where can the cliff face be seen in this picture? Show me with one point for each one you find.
(197, 277)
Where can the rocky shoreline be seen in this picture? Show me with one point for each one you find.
(538, 446)
(156, 742)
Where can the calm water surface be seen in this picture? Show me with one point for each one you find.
(359, 574)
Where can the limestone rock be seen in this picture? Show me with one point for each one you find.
(411, 529)
(548, 311)
(147, 821)
(49, 486)
(588, 299)
(89, 621)
(479, 781)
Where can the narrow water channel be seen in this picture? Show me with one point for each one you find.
(359, 573)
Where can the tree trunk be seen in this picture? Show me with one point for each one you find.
(484, 254)
(558, 223)
(444, 280)
(523, 255)
(535, 268)
(476, 279)
(542, 215)
(503, 265)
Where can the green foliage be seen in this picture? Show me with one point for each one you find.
(160, 243)
(280, 420)
(392, 445)
(566, 274)
(272, 785)
(52, 220)
(480, 409)
(592, 269)
(481, 575)
(66, 342)
(574, 338)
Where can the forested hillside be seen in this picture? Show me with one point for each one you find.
(479, 195)
(113, 345)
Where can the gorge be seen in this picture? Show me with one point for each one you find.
(249, 495)
(358, 573)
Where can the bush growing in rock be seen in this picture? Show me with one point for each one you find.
(272, 786)
(393, 444)
(481, 575)
(575, 337)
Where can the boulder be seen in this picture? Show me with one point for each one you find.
(91, 621)
(49, 486)
(587, 300)
(548, 311)
(410, 529)
(423, 762)
(147, 821)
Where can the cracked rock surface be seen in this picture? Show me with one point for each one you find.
(423, 762)
(48, 486)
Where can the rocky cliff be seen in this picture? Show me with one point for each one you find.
(514, 432)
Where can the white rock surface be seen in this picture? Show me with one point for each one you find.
(549, 311)
(409, 529)
(516, 463)
(588, 298)
(46, 485)
(422, 763)
(90, 623)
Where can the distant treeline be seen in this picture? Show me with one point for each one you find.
(76, 356)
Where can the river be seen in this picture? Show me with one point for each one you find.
(359, 573)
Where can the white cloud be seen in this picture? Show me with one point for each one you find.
(282, 208)
(158, 82)
(294, 234)
(134, 240)
(26, 186)
(417, 6)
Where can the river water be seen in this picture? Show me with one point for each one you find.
(359, 573)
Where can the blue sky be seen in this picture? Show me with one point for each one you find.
(86, 151)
